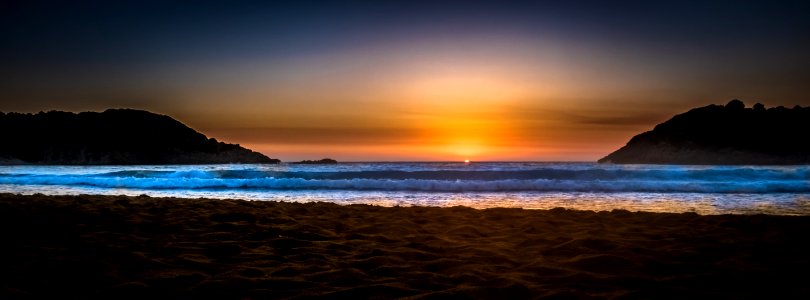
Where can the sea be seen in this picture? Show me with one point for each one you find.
(782, 190)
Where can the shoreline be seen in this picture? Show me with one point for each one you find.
(774, 205)
(136, 247)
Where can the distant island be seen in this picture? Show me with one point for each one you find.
(115, 136)
(325, 161)
(724, 135)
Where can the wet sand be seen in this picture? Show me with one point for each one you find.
(140, 247)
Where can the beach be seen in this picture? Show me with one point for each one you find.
(142, 247)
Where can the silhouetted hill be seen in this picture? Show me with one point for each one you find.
(115, 136)
(323, 161)
(730, 134)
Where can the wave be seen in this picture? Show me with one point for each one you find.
(789, 182)
(494, 177)
(720, 174)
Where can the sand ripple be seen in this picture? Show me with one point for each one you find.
(140, 247)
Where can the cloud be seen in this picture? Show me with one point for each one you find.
(315, 135)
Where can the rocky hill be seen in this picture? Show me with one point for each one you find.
(730, 135)
(324, 161)
(115, 136)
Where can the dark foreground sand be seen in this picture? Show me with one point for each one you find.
(124, 247)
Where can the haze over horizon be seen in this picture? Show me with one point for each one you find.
(438, 81)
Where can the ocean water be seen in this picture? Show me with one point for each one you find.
(702, 189)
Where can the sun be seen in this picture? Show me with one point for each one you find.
(466, 161)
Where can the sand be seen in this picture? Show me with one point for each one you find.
(140, 247)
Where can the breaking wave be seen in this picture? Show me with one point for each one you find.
(540, 178)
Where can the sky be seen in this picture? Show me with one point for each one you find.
(410, 80)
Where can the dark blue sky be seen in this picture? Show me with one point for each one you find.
(117, 32)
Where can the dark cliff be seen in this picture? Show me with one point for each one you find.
(730, 135)
(115, 136)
